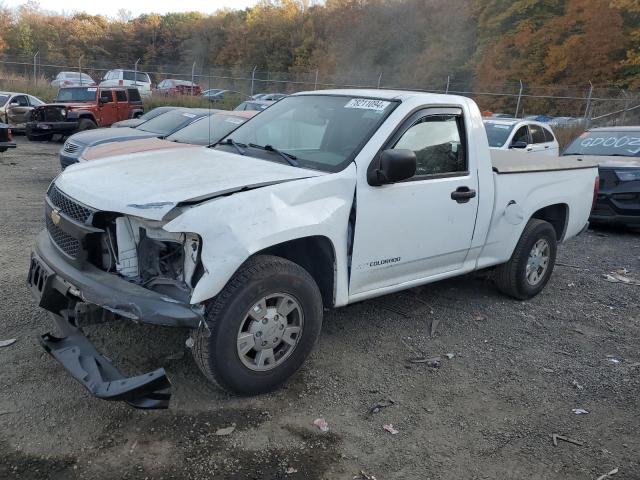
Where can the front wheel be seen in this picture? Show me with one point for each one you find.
(86, 124)
(531, 264)
(262, 326)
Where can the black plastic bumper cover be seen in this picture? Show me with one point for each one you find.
(76, 353)
(36, 129)
(100, 288)
(6, 145)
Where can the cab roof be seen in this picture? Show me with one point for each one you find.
(383, 94)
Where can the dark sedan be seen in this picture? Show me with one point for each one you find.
(158, 127)
(617, 151)
(145, 117)
(5, 138)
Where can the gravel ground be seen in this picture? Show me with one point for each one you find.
(517, 371)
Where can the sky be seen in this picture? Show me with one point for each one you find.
(110, 8)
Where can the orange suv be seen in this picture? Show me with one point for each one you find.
(83, 108)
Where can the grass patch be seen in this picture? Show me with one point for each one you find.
(566, 135)
(41, 89)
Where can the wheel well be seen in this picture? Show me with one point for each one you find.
(88, 116)
(316, 255)
(556, 215)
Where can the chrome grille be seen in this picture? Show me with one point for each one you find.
(66, 243)
(70, 147)
(69, 207)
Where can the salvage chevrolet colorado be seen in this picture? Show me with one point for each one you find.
(323, 199)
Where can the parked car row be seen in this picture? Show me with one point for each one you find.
(142, 81)
(167, 128)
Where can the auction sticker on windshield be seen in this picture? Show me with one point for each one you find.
(91, 89)
(367, 104)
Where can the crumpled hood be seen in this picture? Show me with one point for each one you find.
(107, 135)
(151, 184)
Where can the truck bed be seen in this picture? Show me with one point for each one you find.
(510, 161)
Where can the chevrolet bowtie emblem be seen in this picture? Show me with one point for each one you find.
(55, 217)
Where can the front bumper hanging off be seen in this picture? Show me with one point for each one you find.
(72, 294)
(98, 375)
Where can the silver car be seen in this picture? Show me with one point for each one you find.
(15, 108)
(72, 79)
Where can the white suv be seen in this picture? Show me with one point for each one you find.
(128, 78)
(527, 135)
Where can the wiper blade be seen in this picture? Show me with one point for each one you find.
(229, 141)
(288, 157)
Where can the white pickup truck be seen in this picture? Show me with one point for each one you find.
(324, 199)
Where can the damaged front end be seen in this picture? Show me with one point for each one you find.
(91, 266)
(144, 254)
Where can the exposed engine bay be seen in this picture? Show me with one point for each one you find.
(145, 254)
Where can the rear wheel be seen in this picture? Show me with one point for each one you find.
(262, 326)
(86, 124)
(531, 264)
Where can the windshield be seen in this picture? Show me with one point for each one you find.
(76, 75)
(77, 94)
(323, 132)
(207, 131)
(154, 113)
(139, 77)
(497, 133)
(168, 122)
(606, 143)
(3, 99)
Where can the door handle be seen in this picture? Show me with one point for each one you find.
(529, 149)
(463, 194)
(546, 146)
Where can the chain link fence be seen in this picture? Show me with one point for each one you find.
(587, 104)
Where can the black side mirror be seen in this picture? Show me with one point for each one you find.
(519, 144)
(394, 166)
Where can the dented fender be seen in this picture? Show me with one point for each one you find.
(239, 225)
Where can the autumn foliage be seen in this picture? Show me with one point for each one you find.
(410, 42)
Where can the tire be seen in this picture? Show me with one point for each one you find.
(39, 138)
(511, 278)
(216, 351)
(3, 149)
(86, 124)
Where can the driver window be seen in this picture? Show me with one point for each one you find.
(522, 135)
(436, 141)
(105, 96)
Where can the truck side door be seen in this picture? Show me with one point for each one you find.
(108, 108)
(423, 226)
(122, 105)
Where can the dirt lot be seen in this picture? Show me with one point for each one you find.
(518, 370)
